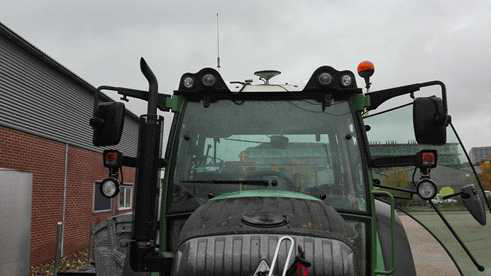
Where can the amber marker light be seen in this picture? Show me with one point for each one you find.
(365, 70)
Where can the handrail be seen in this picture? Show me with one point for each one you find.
(277, 251)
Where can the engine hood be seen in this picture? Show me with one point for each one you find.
(282, 213)
(237, 235)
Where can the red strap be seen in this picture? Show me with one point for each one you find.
(301, 269)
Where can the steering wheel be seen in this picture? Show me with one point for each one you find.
(265, 173)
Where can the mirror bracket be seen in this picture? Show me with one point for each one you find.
(379, 97)
(417, 160)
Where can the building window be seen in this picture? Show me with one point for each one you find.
(101, 203)
(125, 197)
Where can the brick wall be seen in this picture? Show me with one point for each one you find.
(44, 158)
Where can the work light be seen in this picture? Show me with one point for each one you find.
(110, 187)
(346, 80)
(208, 80)
(188, 82)
(426, 189)
(324, 79)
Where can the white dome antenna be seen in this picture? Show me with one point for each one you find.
(266, 75)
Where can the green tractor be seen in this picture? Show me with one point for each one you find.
(279, 179)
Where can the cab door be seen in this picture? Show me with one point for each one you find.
(391, 134)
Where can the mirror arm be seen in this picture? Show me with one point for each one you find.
(478, 266)
(129, 161)
(450, 196)
(134, 93)
(394, 161)
(139, 94)
(132, 162)
(379, 97)
(443, 90)
(142, 95)
(96, 96)
(410, 192)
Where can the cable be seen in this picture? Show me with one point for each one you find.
(121, 172)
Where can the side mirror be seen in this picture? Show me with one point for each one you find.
(108, 122)
(474, 203)
(429, 120)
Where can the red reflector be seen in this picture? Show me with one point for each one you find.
(428, 158)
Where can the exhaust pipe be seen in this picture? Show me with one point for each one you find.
(143, 255)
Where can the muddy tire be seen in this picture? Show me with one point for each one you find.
(110, 243)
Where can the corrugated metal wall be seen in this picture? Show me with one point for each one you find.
(36, 98)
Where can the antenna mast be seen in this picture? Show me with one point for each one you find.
(218, 45)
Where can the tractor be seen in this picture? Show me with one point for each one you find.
(262, 178)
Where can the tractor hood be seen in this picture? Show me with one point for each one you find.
(232, 235)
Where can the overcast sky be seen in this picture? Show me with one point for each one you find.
(408, 41)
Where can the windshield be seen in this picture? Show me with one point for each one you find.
(275, 145)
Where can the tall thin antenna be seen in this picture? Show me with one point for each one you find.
(218, 44)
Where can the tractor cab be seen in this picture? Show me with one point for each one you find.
(278, 179)
(259, 163)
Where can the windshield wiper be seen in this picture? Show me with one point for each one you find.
(244, 182)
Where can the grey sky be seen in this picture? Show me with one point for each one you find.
(409, 41)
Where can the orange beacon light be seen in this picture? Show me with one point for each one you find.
(365, 70)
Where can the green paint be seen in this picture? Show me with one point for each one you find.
(379, 264)
(374, 235)
(380, 270)
(373, 226)
(360, 102)
(265, 193)
(174, 103)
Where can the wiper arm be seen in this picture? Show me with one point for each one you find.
(244, 182)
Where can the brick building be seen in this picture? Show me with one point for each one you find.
(44, 115)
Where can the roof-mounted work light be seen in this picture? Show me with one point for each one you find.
(207, 80)
(346, 80)
(324, 79)
(329, 80)
(188, 82)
